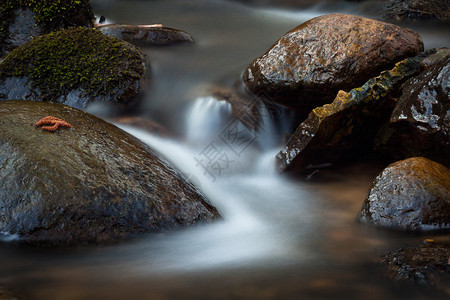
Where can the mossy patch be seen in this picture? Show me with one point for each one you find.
(52, 14)
(75, 58)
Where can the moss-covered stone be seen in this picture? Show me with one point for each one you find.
(74, 63)
(51, 15)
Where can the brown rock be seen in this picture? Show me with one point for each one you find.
(311, 63)
(412, 194)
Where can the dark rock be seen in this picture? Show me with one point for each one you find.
(90, 183)
(417, 10)
(347, 127)
(412, 194)
(22, 21)
(243, 108)
(146, 34)
(311, 63)
(7, 294)
(426, 264)
(420, 122)
(87, 66)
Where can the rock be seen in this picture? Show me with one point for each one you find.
(22, 21)
(90, 183)
(73, 66)
(144, 124)
(412, 194)
(7, 294)
(146, 34)
(307, 66)
(426, 264)
(417, 10)
(347, 127)
(243, 108)
(420, 122)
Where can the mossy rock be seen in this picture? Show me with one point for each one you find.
(30, 18)
(89, 183)
(73, 66)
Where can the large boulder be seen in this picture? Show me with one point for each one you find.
(346, 128)
(23, 20)
(412, 194)
(89, 183)
(146, 34)
(417, 10)
(420, 122)
(73, 66)
(307, 66)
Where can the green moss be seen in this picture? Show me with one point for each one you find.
(52, 14)
(74, 58)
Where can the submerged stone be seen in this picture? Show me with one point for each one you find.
(420, 122)
(89, 183)
(308, 65)
(412, 194)
(73, 66)
(426, 264)
(346, 127)
(146, 34)
(23, 20)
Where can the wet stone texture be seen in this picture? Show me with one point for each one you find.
(307, 66)
(146, 34)
(417, 10)
(346, 128)
(420, 122)
(412, 194)
(90, 183)
(427, 264)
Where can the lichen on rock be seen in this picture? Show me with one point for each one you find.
(73, 66)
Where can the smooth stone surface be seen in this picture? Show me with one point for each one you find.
(307, 66)
(410, 195)
(90, 183)
(146, 34)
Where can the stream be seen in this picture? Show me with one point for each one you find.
(280, 237)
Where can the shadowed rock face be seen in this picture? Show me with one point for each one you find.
(425, 264)
(412, 194)
(418, 10)
(311, 63)
(90, 183)
(346, 128)
(146, 34)
(420, 122)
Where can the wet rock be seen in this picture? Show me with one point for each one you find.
(22, 21)
(412, 194)
(420, 122)
(243, 108)
(146, 34)
(73, 66)
(90, 183)
(426, 264)
(311, 63)
(347, 127)
(417, 10)
(144, 124)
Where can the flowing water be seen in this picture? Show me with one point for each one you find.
(280, 237)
